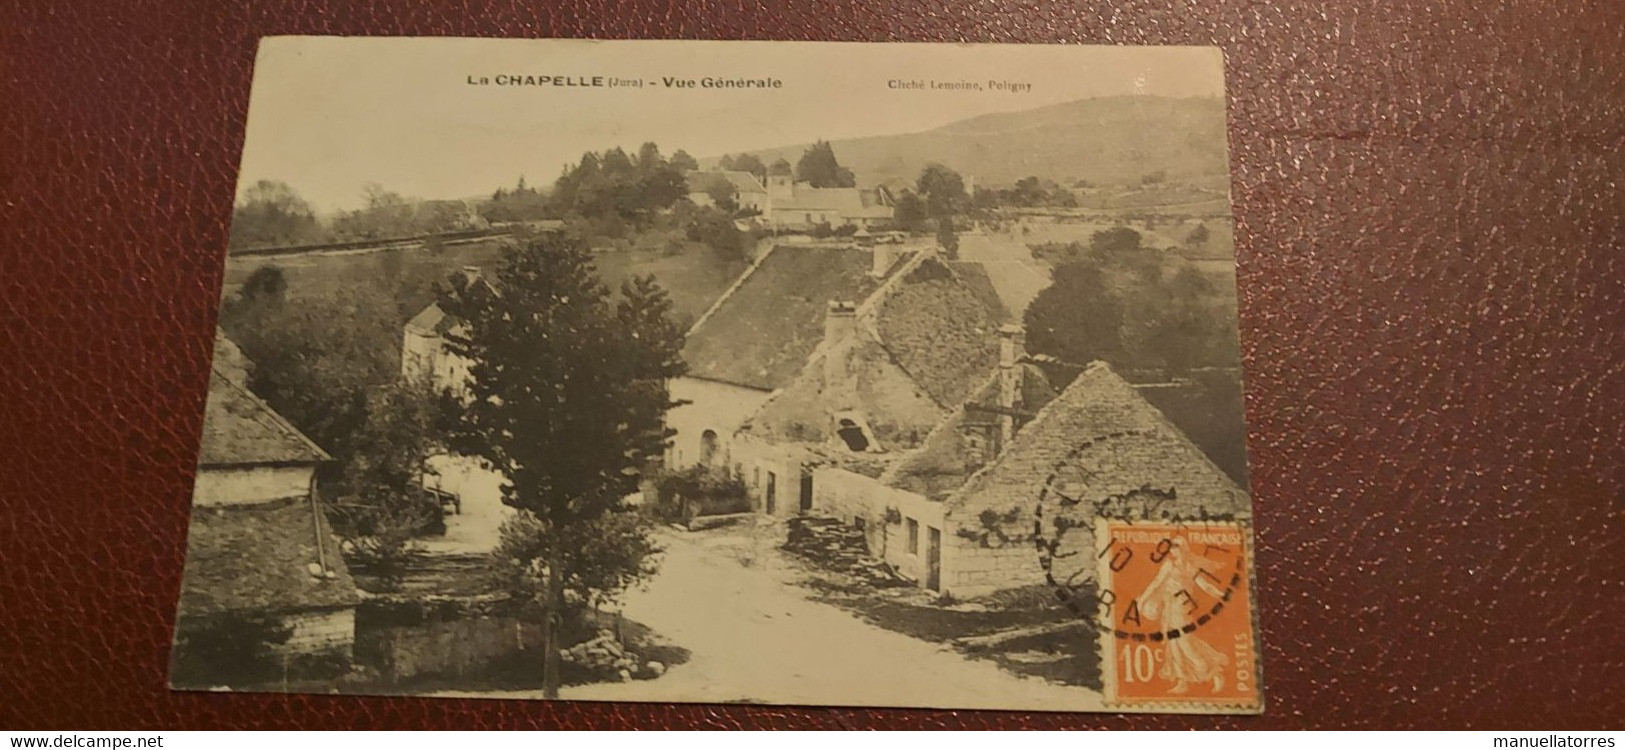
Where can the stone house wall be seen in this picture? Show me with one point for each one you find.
(330, 631)
(249, 485)
(719, 407)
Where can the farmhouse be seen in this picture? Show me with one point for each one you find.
(787, 374)
(786, 204)
(260, 546)
(800, 206)
(958, 514)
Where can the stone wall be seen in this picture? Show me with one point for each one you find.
(321, 632)
(444, 646)
(848, 496)
(250, 485)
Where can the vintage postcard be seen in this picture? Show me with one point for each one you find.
(786, 373)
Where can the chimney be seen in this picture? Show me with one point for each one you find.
(839, 321)
(1012, 347)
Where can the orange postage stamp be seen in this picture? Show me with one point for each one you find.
(1176, 614)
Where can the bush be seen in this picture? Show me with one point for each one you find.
(699, 491)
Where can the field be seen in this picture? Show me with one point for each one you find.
(694, 277)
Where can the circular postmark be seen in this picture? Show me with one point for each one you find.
(1131, 562)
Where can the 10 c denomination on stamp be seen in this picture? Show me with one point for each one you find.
(1176, 613)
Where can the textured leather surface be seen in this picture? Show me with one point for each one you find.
(1429, 205)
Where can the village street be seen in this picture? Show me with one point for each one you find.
(755, 637)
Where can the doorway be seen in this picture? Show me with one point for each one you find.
(933, 558)
(772, 492)
(806, 491)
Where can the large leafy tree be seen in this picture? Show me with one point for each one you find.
(568, 397)
(819, 167)
(942, 188)
(1135, 307)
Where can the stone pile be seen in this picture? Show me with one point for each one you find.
(836, 546)
(604, 655)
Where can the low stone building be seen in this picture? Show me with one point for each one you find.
(857, 386)
(958, 514)
(260, 548)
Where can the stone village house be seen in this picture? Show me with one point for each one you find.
(786, 204)
(914, 416)
(259, 544)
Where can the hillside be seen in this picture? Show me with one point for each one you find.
(1111, 140)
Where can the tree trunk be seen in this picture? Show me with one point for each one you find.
(553, 622)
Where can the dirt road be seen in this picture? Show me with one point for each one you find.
(754, 637)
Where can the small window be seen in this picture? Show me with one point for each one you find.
(860, 523)
(913, 537)
(852, 435)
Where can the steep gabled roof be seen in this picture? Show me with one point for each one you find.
(762, 332)
(938, 330)
(241, 430)
(917, 347)
(1113, 444)
(257, 558)
(855, 375)
(432, 321)
(946, 459)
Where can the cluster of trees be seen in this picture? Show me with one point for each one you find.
(754, 165)
(1028, 192)
(617, 192)
(572, 425)
(1135, 307)
(817, 166)
(938, 196)
(388, 214)
(522, 203)
(272, 214)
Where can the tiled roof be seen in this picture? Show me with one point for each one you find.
(761, 334)
(944, 462)
(857, 375)
(1114, 444)
(240, 429)
(919, 346)
(976, 278)
(257, 558)
(939, 330)
(431, 322)
(848, 202)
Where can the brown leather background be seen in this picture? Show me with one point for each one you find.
(1430, 208)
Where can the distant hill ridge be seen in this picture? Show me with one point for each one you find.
(1107, 140)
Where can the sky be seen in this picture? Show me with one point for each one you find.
(328, 114)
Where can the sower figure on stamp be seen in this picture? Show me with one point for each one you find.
(1187, 659)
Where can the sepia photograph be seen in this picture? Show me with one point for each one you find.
(838, 374)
